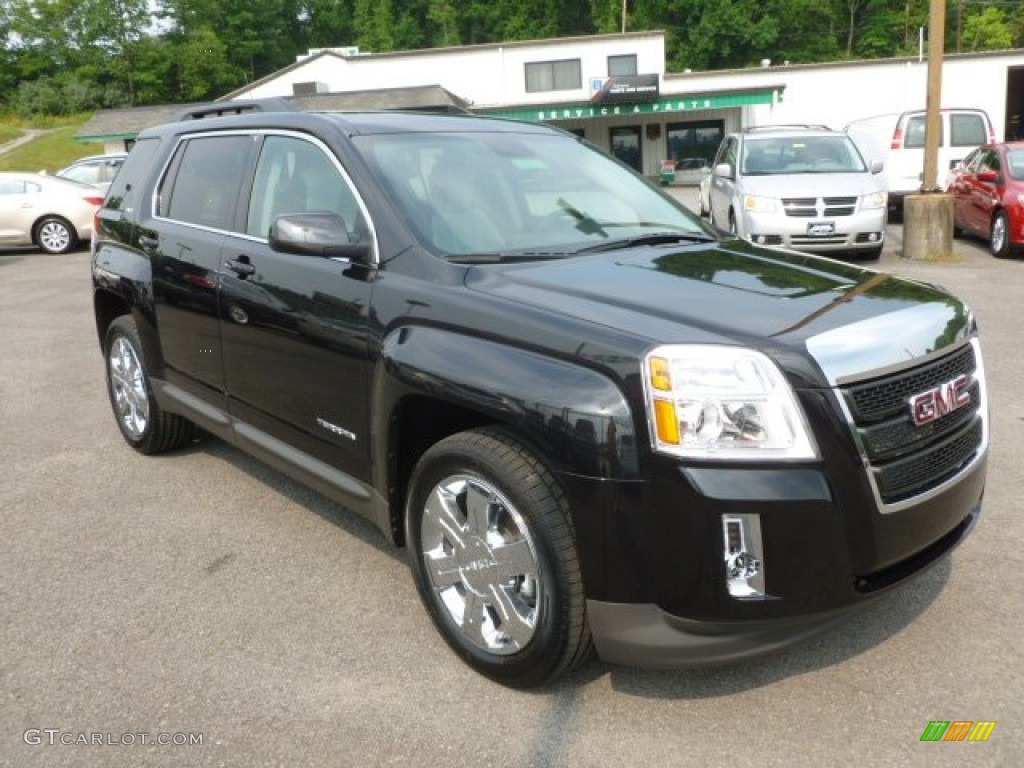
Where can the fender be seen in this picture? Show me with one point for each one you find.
(578, 417)
(127, 275)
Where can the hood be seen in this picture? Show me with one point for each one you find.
(814, 185)
(735, 292)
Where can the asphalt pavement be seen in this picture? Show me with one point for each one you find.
(202, 597)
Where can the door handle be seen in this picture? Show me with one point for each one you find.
(241, 267)
(148, 242)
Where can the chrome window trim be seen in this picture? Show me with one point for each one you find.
(261, 133)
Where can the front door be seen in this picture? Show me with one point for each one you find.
(294, 327)
(627, 146)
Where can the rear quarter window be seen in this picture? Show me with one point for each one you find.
(206, 177)
(124, 191)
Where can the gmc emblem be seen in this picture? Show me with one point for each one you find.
(936, 403)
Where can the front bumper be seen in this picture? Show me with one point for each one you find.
(864, 230)
(644, 635)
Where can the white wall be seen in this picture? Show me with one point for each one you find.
(835, 94)
(486, 76)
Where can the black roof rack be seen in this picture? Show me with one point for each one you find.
(235, 108)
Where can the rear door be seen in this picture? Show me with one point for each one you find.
(197, 205)
(17, 210)
(294, 326)
(723, 186)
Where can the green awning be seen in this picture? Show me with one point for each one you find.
(682, 103)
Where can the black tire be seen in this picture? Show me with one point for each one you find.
(999, 237)
(143, 424)
(520, 579)
(732, 223)
(55, 235)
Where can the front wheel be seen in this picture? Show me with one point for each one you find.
(143, 424)
(999, 242)
(493, 555)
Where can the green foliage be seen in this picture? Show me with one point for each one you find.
(49, 152)
(60, 56)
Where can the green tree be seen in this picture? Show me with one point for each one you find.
(987, 30)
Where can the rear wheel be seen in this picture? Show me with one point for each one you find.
(494, 558)
(143, 424)
(54, 235)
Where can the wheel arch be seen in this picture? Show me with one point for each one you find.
(431, 383)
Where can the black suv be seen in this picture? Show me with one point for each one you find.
(592, 422)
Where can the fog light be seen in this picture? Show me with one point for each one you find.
(761, 239)
(873, 237)
(744, 557)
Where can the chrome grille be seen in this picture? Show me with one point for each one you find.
(811, 207)
(905, 459)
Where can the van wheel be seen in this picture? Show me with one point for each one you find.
(143, 425)
(999, 242)
(493, 555)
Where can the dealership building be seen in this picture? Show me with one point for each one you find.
(614, 91)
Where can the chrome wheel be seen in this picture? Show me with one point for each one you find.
(54, 236)
(128, 388)
(1000, 235)
(482, 563)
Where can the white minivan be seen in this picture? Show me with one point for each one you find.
(897, 141)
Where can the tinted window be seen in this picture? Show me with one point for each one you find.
(967, 130)
(207, 181)
(127, 186)
(295, 176)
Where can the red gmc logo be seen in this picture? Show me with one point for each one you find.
(936, 403)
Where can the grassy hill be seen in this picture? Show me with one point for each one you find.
(50, 151)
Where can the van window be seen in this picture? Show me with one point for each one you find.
(967, 130)
(205, 187)
(914, 136)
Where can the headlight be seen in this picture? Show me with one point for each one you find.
(874, 200)
(760, 204)
(717, 402)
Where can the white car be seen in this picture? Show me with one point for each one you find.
(98, 170)
(51, 213)
(802, 187)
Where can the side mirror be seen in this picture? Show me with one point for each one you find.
(724, 170)
(318, 234)
(876, 167)
(988, 176)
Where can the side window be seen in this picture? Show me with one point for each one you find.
(296, 176)
(730, 155)
(972, 161)
(990, 161)
(966, 130)
(12, 187)
(205, 187)
(125, 189)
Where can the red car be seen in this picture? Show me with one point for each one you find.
(988, 196)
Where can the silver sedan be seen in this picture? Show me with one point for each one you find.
(50, 213)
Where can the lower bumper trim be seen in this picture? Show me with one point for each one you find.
(643, 635)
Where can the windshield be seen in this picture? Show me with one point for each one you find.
(476, 193)
(800, 154)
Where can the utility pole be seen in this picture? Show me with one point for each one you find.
(928, 217)
(933, 103)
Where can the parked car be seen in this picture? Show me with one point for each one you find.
(692, 170)
(591, 421)
(802, 187)
(897, 141)
(52, 213)
(988, 196)
(98, 170)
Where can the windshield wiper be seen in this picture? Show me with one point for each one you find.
(654, 238)
(503, 258)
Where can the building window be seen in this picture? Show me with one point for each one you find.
(553, 76)
(622, 66)
(700, 138)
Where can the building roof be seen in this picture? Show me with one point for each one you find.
(127, 123)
